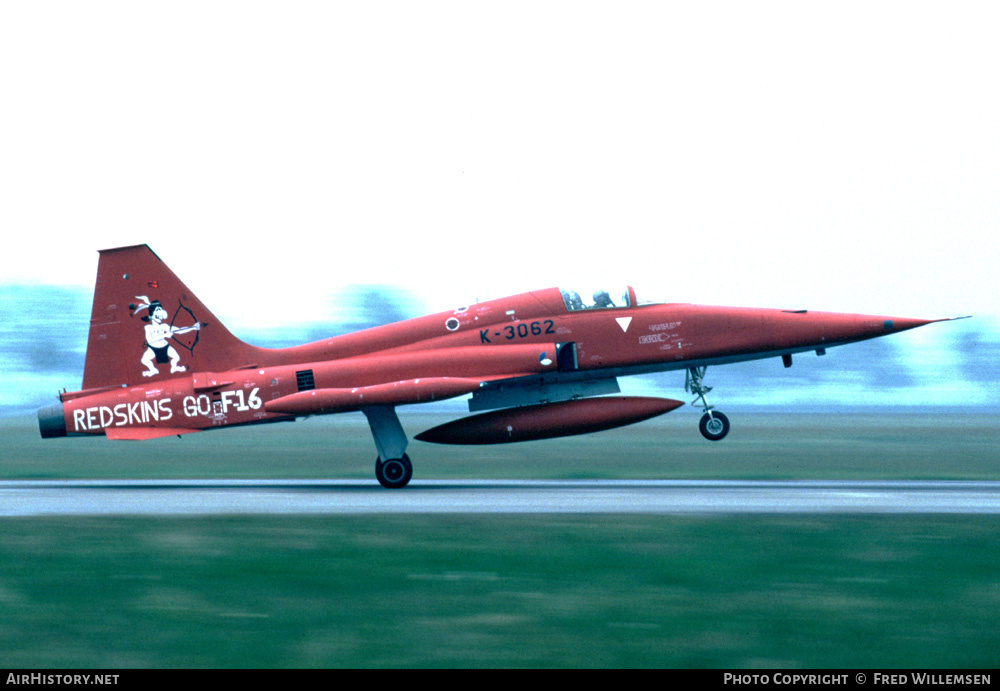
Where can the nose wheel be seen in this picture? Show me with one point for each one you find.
(714, 426)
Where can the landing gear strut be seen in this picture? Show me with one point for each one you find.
(714, 426)
(392, 467)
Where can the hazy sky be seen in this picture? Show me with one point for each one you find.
(841, 156)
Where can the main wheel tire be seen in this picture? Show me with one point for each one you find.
(394, 473)
(714, 426)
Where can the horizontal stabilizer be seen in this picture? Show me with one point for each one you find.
(144, 433)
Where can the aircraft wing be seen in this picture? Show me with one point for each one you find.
(532, 390)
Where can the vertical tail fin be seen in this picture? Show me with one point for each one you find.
(147, 326)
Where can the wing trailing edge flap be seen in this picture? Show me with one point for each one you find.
(508, 393)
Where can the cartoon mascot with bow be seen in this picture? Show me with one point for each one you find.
(158, 348)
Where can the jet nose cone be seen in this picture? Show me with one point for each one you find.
(894, 324)
(897, 324)
(847, 328)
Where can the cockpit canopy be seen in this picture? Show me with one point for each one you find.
(595, 299)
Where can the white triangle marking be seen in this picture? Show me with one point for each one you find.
(623, 322)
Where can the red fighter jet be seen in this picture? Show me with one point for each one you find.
(159, 363)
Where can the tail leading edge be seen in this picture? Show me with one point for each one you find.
(147, 326)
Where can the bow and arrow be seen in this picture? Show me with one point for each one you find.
(194, 326)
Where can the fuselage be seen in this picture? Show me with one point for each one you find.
(435, 356)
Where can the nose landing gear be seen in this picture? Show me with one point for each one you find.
(714, 425)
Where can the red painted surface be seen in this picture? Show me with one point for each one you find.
(158, 360)
(550, 420)
(394, 393)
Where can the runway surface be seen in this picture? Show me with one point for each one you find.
(215, 497)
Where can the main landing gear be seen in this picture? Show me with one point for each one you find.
(392, 467)
(394, 473)
(714, 426)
